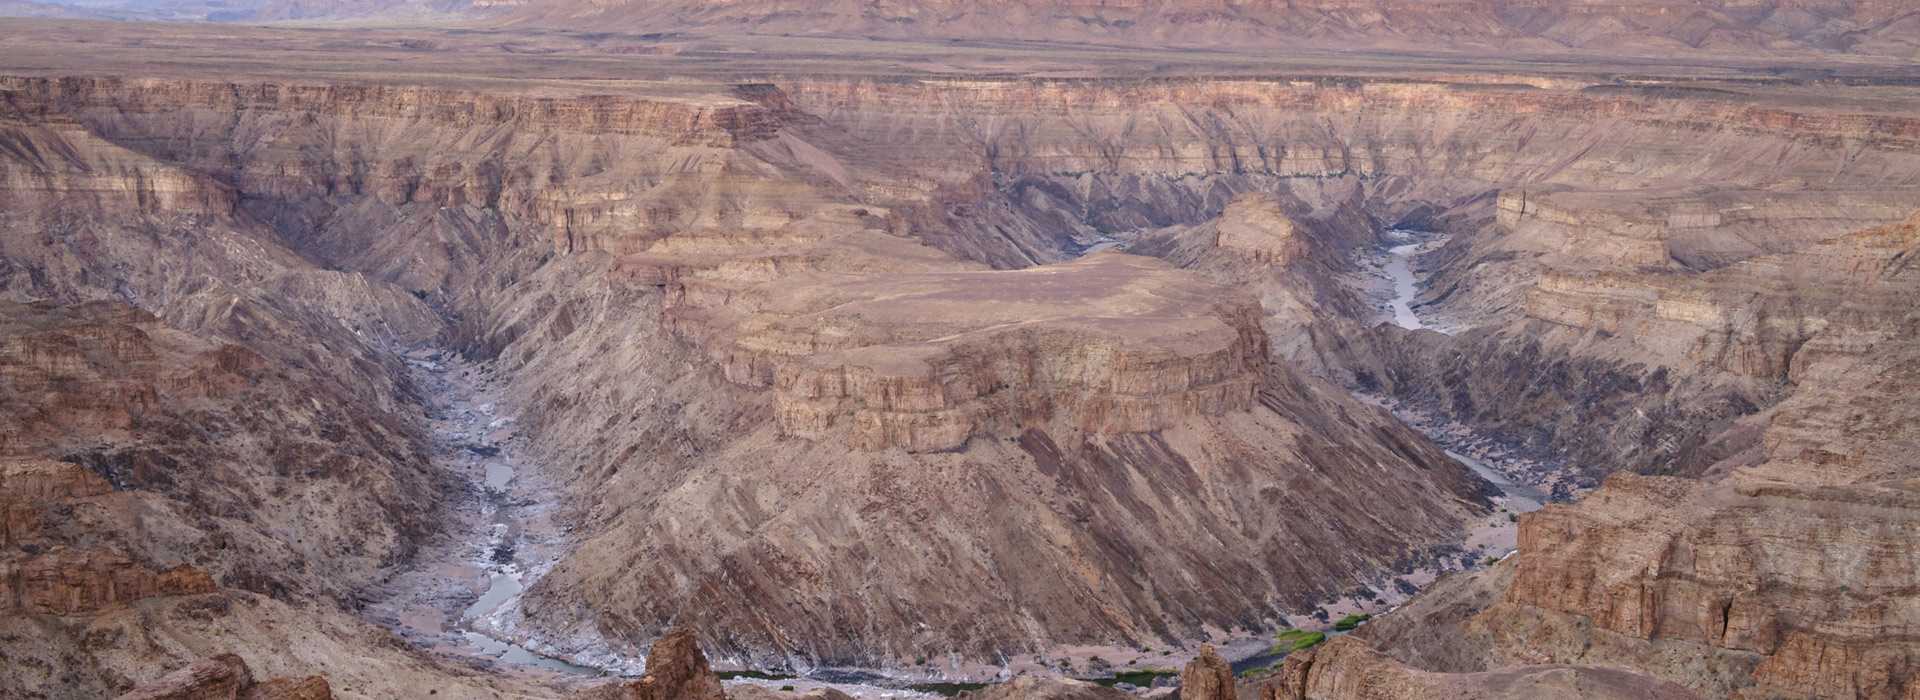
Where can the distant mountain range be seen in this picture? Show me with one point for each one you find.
(1884, 28)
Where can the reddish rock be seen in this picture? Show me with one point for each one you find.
(1208, 677)
(69, 582)
(226, 677)
(676, 670)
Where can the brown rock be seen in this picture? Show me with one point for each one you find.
(1347, 668)
(223, 677)
(723, 304)
(226, 677)
(309, 688)
(1257, 228)
(67, 582)
(676, 670)
(1207, 677)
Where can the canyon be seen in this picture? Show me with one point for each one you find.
(881, 353)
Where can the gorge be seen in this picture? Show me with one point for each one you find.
(469, 355)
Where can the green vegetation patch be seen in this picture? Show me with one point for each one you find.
(1289, 641)
(1143, 677)
(946, 689)
(753, 675)
(1346, 624)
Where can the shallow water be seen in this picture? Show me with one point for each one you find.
(501, 587)
(499, 474)
(1400, 267)
(492, 546)
(1521, 498)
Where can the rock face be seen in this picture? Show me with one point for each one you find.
(1111, 344)
(1208, 677)
(837, 368)
(198, 427)
(110, 391)
(1347, 668)
(1775, 570)
(1258, 229)
(226, 677)
(676, 670)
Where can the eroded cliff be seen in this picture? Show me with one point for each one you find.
(840, 369)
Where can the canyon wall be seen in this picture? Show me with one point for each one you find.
(839, 358)
(208, 441)
(760, 378)
(1777, 570)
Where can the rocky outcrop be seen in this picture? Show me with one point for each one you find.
(226, 677)
(1207, 677)
(74, 583)
(1346, 667)
(1256, 228)
(676, 670)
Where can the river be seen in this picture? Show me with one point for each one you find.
(1405, 287)
(500, 531)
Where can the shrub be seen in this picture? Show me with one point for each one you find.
(1143, 678)
(1349, 622)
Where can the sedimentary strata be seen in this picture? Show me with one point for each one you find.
(226, 677)
(840, 365)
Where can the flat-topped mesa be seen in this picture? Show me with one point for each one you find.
(924, 361)
(718, 118)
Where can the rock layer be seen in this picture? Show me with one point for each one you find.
(1778, 569)
(832, 378)
(226, 677)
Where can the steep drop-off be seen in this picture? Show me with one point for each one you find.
(840, 370)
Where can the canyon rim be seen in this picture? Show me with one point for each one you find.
(1013, 349)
